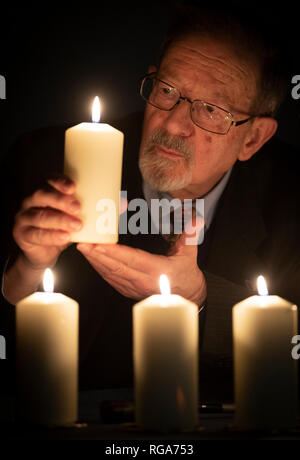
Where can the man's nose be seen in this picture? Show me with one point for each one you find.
(178, 120)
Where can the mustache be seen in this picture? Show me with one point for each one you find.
(175, 143)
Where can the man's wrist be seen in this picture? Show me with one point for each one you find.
(24, 263)
(20, 280)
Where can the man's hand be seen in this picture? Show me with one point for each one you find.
(44, 223)
(135, 273)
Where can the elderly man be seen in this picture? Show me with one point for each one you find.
(210, 108)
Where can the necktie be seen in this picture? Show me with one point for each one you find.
(178, 220)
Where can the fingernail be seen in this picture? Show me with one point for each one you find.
(64, 237)
(67, 183)
(83, 247)
(75, 206)
(75, 225)
(101, 249)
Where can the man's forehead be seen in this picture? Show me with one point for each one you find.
(198, 61)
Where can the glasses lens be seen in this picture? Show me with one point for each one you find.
(159, 94)
(210, 117)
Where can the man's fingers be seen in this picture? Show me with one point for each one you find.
(138, 259)
(112, 268)
(193, 233)
(52, 198)
(123, 205)
(45, 237)
(63, 184)
(194, 229)
(48, 218)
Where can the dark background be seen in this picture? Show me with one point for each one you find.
(56, 59)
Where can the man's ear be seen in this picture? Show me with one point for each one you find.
(262, 129)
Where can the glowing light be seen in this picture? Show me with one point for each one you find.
(164, 285)
(262, 286)
(96, 112)
(48, 281)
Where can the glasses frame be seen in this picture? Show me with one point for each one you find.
(181, 98)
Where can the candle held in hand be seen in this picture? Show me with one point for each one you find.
(264, 372)
(166, 362)
(93, 160)
(47, 356)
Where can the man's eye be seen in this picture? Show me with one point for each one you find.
(165, 90)
(210, 109)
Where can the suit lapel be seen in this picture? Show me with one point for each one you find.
(238, 230)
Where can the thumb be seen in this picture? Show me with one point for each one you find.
(191, 237)
(123, 205)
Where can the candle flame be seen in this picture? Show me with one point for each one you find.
(262, 286)
(48, 281)
(164, 285)
(96, 112)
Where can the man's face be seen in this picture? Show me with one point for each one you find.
(175, 154)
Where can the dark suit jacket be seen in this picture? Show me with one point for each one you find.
(255, 231)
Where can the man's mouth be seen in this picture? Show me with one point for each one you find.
(164, 152)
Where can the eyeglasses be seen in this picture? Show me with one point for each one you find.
(209, 117)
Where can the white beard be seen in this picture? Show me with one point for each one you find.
(165, 174)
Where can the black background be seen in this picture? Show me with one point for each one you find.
(57, 58)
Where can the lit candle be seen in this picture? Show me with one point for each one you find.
(93, 160)
(265, 373)
(47, 356)
(166, 361)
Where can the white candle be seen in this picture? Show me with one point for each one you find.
(166, 362)
(93, 159)
(47, 357)
(265, 373)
